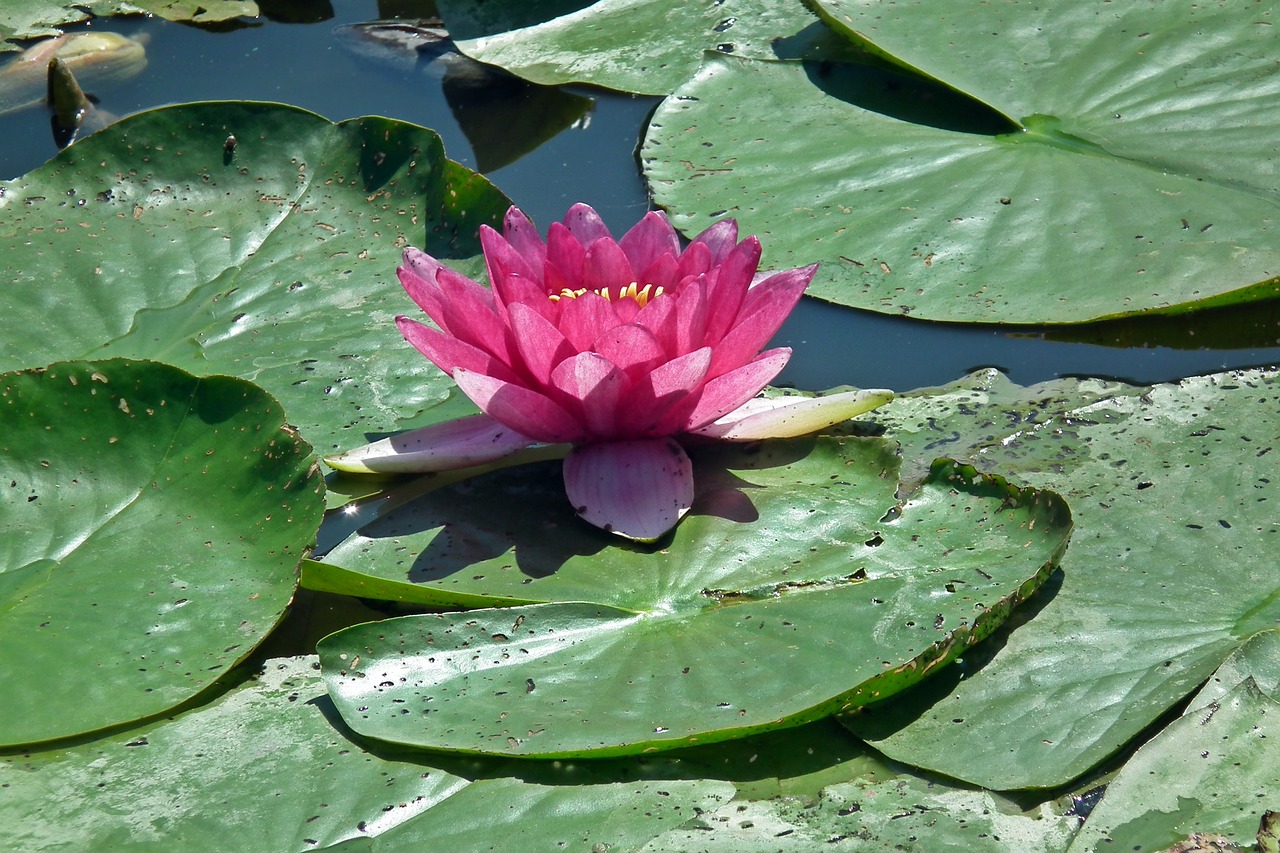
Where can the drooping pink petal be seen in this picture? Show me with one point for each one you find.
(451, 354)
(539, 342)
(424, 291)
(790, 417)
(596, 385)
(724, 393)
(446, 446)
(606, 266)
(648, 240)
(763, 312)
(720, 238)
(471, 316)
(523, 237)
(637, 489)
(525, 411)
(585, 224)
(632, 347)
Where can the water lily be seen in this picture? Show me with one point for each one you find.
(621, 349)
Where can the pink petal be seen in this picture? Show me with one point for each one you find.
(648, 240)
(585, 224)
(727, 286)
(695, 260)
(596, 385)
(790, 417)
(446, 446)
(524, 238)
(564, 260)
(606, 266)
(471, 316)
(418, 277)
(660, 273)
(763, 312)
(688, 328)
(513, 288)
(502, 259)
(723, 394)
(632, 347)
(449, 353)
(719, 238)
(637, 489)
(585, 318)
(525, 411)
(540, 343)
(660, 401)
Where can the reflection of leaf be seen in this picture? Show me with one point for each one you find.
(1143, 179)
(1171, 566)
(504, 117)
(155, 520)
(273, 260)
(835, 596)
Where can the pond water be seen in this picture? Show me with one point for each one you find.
(313, 65)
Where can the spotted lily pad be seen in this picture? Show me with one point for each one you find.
(150, 535)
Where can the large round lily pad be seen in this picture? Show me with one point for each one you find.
(798, 590)
(1136, 173)
(150, 535)
(271, 256)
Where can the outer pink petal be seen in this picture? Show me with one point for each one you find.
(525, 411)
(606, 265)
(471, 316)
(763, 312)
(502, 259)
(564, 260)
(540, 343)
(524, 238)
(719, 238)
(727, 287)
(637, 489)
(789, 417)
(650, 239)
(513, 288)
(596, 385)
(446, 446)
(585, 224)
(451, 354)
(418, 277)
(723, 394)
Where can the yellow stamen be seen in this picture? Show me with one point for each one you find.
(634, 291)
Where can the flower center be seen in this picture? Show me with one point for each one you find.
(641, 295)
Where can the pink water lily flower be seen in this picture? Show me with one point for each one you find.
(617, 348)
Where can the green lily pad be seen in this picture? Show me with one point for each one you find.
(1216, 769)
(1136, 174)
(907, 813)
(834, 596)
(1171, 567)
(151, 536)
(644, 46)
(225, 776)
(271, 257)
(28, 19)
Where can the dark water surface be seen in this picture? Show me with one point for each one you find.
(312, 66)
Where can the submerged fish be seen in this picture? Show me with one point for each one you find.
(97, 59)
